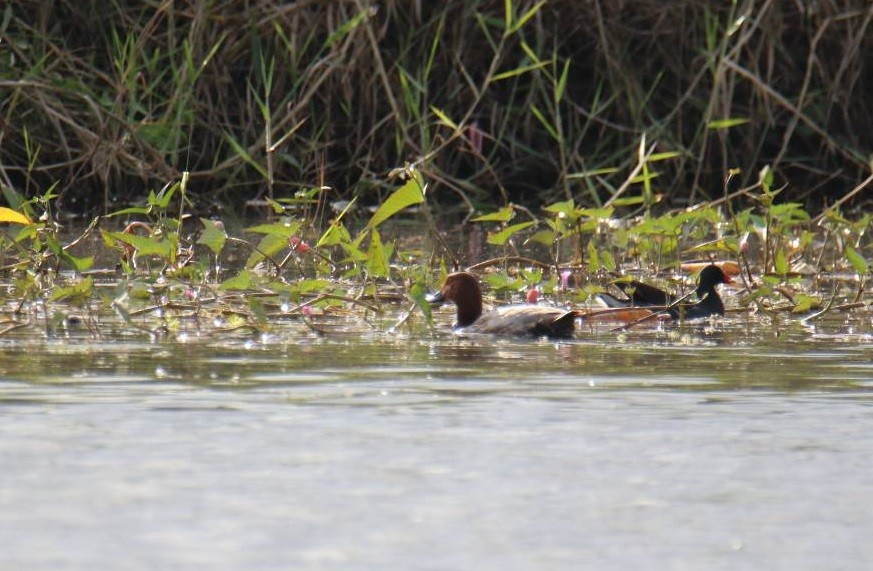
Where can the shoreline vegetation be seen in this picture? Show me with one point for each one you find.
(576, 142)
(494, 102)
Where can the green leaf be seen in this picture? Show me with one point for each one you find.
(502, 282)
(275, 205)
(727, 123)
(545, 122)
(502, 237)
(545, 237)
(803, 302)
(213, 236)
(75, 293)
(857, 260)
(283, 229)
(526, 16)
(566, 207)
(334, 235)
(244, 155)
(418, 293)
(80, 264)
(788, 212)
(127, 211)
(781, 264)
(592, 173)
(532, 276)
(519, 71)
(598, 213)
(410, 193)
(529, 52)
(443, 117)
(313, 285)
(593, 258)
(28, 233)
(241, 281)
(14, 198)
(268, 246)
(162, 200)
(505, 214)
(346, 28)
(607, 260)
(645, 177)
(629, 201)
(353, 253)
(337, 232)
(307, 196)
(562, 82)
(667, 155)
(144, 245)
(377, 260)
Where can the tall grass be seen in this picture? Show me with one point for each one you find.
(495, 101)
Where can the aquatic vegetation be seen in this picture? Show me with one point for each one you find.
(166, 272)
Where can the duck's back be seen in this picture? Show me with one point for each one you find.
(532, 320)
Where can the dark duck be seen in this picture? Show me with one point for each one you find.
(643, 295)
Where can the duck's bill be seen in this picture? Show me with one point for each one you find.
(435, 298)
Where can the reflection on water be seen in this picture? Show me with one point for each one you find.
(739, 446)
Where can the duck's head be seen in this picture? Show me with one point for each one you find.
(711, 276)
(463, 290)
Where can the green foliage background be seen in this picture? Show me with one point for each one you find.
(493, 100)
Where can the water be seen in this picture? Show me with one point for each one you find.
(733, 447)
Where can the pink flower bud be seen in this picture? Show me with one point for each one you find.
(299, 245)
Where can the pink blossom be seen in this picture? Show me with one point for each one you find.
(299, 245)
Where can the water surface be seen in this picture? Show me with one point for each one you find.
(734, 446)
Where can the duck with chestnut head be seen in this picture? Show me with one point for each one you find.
(463, 290)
